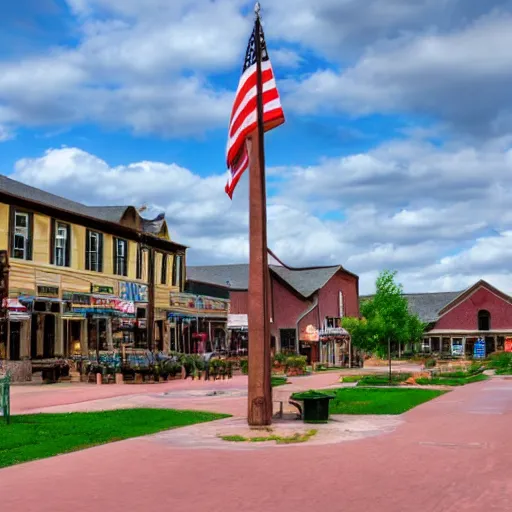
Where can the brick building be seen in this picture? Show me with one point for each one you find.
(455, 320)
(306, 306)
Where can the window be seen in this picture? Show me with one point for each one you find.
(94, 251)
(163, 278)
(288, 337)
(120, 257)
(138, 269)
(341, 305)
(484, 320)
(60, 244)
(177, 270)
(21, 235)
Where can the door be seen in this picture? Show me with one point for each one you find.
(33, 336)
(15, 341)
(49, 336)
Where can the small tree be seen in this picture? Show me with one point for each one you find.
(388, 315)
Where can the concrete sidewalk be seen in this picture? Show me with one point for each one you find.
(449, 455)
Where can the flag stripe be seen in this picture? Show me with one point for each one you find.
(244, 113)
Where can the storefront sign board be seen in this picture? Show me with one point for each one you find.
(133, 291)
(48, 291)
(104, 290)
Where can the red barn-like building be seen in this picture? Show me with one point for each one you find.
(307, 305)
(457, 319)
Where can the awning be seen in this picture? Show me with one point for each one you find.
(237, 321)
(333, 332)
(14, 305)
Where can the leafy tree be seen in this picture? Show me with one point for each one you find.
(388, 320)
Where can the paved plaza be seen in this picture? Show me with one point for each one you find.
(451, 454)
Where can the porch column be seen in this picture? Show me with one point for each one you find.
(495, 343)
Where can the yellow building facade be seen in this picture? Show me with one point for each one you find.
(83, 279)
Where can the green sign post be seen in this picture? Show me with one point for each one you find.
(5, 398)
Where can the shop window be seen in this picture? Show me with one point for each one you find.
(120, 257)
(21, 235)
(332, 322)
(141, 312)
(484, 320)
(288, 340)
(138, 270)
(94, 251)
(60, 244)
(163, 277)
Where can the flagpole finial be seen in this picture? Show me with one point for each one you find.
(257, 9)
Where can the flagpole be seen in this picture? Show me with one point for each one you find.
(259, 388)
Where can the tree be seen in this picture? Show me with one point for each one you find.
(388, 316)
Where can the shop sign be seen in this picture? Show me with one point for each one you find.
(133, 291)
(310, 333)
(48, 291)
(113, 303)
(479, 349)
(457, 348)
(237, 321)
(81, 299)
(142, 324)
(104, 290)
(198, 302)
(508, 344)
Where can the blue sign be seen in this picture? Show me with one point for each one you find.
(479, 349)
(133, 292)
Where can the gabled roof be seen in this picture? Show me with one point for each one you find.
(426, 305)
(304, 281)
(113, 214)
(472, 289)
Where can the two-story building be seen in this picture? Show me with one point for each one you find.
(83, 278)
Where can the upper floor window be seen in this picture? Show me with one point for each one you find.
(484, 320)
(177, 270)
(94, 251)
(120, 257)
(60, 244)
(21, 235)
(138, 269)
(163, 279)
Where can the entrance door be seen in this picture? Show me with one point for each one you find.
(15, 341)
(49, 336)
(33, 336)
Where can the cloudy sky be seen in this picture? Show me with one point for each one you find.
(396, 153)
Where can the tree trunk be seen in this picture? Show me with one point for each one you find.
(389, 358)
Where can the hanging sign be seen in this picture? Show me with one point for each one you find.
(310, 334)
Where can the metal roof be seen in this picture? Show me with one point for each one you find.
(426, 305)
(305, 281)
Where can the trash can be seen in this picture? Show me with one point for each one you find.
(316, 406)
(5, 402)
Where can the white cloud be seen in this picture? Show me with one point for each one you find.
(461, 77)
(432, 247)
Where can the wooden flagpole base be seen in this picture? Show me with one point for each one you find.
(259, 390)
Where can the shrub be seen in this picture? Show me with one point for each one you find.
(430, 363)
(296, 362)
(501, 362)
(383, 379)
(244, 365)
(280, 358)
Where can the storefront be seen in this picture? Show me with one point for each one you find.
(198, 323)
(335, 347)
(18, 328)
(138, 294)
(238, 342)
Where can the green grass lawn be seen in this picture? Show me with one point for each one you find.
(451, 381)
(37, 436)
(379, 401)
(279, 381)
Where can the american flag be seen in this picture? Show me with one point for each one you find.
(244, 115)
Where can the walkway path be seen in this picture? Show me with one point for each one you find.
(449, 455)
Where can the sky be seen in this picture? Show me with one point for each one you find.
(395, 154)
